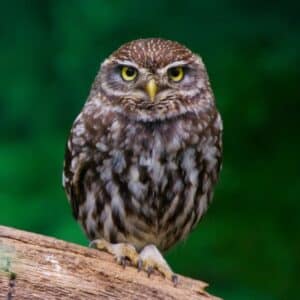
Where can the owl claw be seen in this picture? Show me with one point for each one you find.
(175, 280)
(93, 244)
(124, 262)
(139, 265)
(150, 270)
(151, 259)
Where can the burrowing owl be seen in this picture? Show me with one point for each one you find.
(145, 152)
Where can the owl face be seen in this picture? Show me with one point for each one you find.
(153, 79)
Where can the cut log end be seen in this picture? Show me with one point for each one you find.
(34, 266)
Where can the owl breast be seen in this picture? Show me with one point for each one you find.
(144, 184)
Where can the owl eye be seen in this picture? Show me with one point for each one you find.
(176, 74)
(128, 73)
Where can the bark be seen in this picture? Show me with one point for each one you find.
(34, 266)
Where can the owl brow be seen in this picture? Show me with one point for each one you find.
(126, 63)
(179, 63)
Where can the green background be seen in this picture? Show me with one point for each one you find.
(247, 246)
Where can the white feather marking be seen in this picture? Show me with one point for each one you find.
(118, 161)
(189, 93)
(202, 207)
(218, 123)
(171, 209)
(74, 162)
(189, 165)
(206, 185)
(106, 219)
(188, 207)
(210, 153)
(117, 203)
(171, 65)
(102, 147)
(89, 208)
(134, 185)
(126, 63)
(79, 129)
(105, 170)
(76, 140)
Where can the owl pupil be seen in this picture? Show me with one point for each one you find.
(174, 72)
(130, 72)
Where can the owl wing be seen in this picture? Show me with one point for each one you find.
(73, 181)
(209, 157)
(212, 153)
(78, 160)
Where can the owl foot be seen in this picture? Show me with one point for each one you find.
(150, 259)
(124, 253)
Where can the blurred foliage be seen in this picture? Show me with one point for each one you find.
(248, 245)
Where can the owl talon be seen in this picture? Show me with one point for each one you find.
(124, 262)
(150, 270)
(122, 252)
(139, 265)
(93, 244)
(175, 280)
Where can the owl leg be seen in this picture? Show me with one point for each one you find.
(122, 252)
(150, 258)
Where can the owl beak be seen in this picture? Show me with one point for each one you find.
(151, 89)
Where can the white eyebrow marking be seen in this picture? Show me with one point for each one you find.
(126, 63)
(172, 65)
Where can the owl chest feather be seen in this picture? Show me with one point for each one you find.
(149, 182)
(156, 176)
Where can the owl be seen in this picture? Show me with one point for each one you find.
(144, 154)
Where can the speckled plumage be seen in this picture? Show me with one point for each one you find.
(138, 171)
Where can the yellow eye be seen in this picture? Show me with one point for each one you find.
(176, 74)
(128, 73)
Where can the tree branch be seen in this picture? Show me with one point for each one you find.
(33, 266)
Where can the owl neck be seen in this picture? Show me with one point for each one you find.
(203, 114)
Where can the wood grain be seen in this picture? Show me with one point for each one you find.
(34, 266)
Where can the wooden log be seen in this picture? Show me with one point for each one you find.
(34, 266)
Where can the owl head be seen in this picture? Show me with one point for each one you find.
(153, 80)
